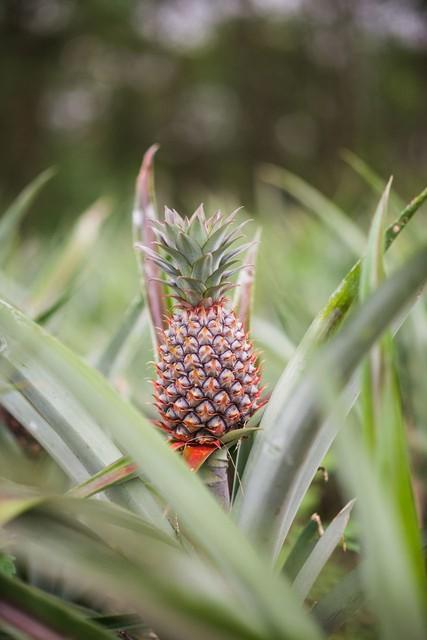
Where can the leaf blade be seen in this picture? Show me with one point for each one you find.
(322, 551)
(331, 215)
(290, 435)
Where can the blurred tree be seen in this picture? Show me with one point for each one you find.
(223, 86)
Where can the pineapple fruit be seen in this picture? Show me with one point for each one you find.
(208, 382)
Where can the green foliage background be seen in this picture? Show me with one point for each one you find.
(223, 86)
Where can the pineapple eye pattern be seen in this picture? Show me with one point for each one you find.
(213, 395)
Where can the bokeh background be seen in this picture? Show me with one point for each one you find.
(222, 85)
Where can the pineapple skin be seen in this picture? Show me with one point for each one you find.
(207, 378)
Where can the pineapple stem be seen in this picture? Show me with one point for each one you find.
(215, 476)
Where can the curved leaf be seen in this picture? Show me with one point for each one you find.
(325, 323)
(16, 211)
(44, 617)
(296, 422)
(327, 211)
(78, 401)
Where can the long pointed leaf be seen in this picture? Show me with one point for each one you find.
(325, 323)
(382, 414)
(53, 382)
(328, 212)
(321, 553)
(116, 473)
(87, 402)
(302, 548)
(372, 274)
(371, 178)
(108, 359)
(269, 488)
(60, 272)
(341, 603)
(245, 283)
(177, 600)
(143, 214)
(387, 573)
(44, 617)
(16, 211)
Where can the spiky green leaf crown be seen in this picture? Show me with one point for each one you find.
(197, 257)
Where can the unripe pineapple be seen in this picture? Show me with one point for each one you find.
(207, 378)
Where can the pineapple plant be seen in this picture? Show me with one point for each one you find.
(208, 381)
(131, 567)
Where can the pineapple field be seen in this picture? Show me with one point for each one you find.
(212, 425)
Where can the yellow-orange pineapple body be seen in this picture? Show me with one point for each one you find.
(208, 381)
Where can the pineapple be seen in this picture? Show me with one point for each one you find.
(208, 382)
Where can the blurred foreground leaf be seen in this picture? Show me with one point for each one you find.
(108, 359)
(83, 404)
(293, 425)
(393, 587)
(276, 418)
(382, 415)
(43, 617)
(341, 602)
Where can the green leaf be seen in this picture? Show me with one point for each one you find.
(121, 622)
(179, 261)
(372, 273)
(300, 551)
(373, 264)
(195, 286)
(12, 506)
(292, 425)
(323, 326)
(387, 571)
(53, 400)
(84, 402)
(331, 215)
(27, 609)
(382, 415)
(161, 581)
(271, 337)
(243, 299)
(17, 501)
(108, 359)
(202, 268)
(188, 247)
(60, 271)
(7, 564)
(322, 551)
(371, 178)
(144, 217)
(223, 272)
(197, 226)
(13, 215)
(217, 239)
(341, 603)
(243, 450)
(156, 259)
(50, 311)
(236, 434)
(173, 596)
(116, 473)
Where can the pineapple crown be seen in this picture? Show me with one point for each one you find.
(195, 254)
